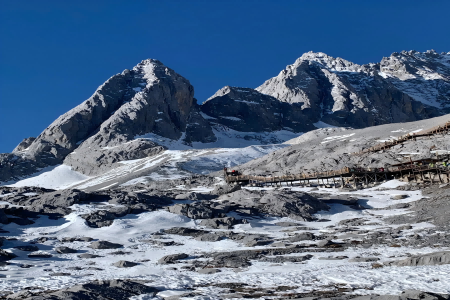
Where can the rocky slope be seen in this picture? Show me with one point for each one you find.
(148, 98)
(334, 148)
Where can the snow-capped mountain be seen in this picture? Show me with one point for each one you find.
(341, 93)
(143, 111)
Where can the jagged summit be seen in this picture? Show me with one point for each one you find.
(334, 64)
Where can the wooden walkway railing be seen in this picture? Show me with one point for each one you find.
(410, 136)
(362, 174)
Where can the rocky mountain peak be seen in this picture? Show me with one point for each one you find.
(425, 76)
(332, 63)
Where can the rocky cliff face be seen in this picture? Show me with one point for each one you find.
(341, 93)
(247, 110)
(148, 98)
(425, 76)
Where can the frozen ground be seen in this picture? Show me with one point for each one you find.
(318, 273)
(168, 165)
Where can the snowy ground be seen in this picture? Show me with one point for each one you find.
(315, 274)
(169, 165)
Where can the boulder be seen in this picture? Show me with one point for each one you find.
(29, 248)
(63, 250)
(125, 264)
(104, 245)
(5, 255)
(304, 236)
(39, 254)
(209, 237)
(170, 259)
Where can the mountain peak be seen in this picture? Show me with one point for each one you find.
(330, 62)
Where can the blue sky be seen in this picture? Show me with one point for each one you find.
(54, 54)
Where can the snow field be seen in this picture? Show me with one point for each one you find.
(132, 230)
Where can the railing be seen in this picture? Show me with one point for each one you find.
(403, 138)
(346, 171)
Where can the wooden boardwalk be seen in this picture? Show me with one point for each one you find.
(351, 177)
(440, 129)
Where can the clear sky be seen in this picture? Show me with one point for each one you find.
(54, 54)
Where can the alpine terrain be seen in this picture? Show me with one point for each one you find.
(330, 180)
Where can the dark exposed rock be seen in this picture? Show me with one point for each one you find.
(208, 271)
(282, 203)
(430, 259)
(29, 248)
(99, 218)
(5, 255)
(125, 264)
(283, 259)
(39, 255)
(104, 245)
(209, 237)
(63, 250)
(364, 259)
(220, 223)
(170, 259)
(88, 255)
(195, 210)
(184, 231)
(76, 239)
(101, 290)
(304, 236)
(24, 144)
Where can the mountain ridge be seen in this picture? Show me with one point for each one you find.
(152, 99)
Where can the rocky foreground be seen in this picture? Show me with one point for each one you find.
(197, 238)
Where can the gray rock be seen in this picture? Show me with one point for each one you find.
(125, 264)
(282, 203)
(209, 237)
(101, 290)
(324, 243)
(99, 218)
(304, 236)
(184, 231)
(29, 248)
(170, 259)
(104, 245)
(364, 259)
(208, 271)
(5, 255)
(220, 223)
(88, 255)
(333, 257)
(287, 224)
(431, 259)
(24, 144)
(399, 197)
(63, 250)
(225, 189)
(284, 259)
(196, 210)
(39, 255)
(76, 239)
